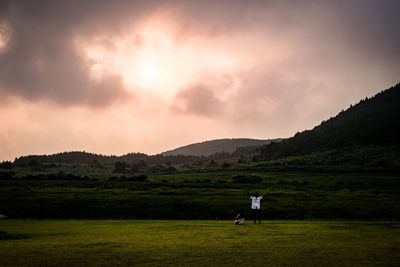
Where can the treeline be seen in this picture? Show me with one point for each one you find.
(83, 157)
(374, 121)
(90, 158)
(353, 158)
(61, 176)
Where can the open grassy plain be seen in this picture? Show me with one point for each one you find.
(208, 195)
(198, 243)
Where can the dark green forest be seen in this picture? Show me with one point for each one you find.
(373, 122)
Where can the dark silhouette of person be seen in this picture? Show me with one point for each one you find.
(256, 206)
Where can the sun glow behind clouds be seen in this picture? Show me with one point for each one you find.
(150, 73)
(151, 57)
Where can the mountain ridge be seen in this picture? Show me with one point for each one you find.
(223, 145)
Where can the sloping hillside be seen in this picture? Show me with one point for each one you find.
(216, 146)
(374, 121)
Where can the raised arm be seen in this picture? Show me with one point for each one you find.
(248, 194)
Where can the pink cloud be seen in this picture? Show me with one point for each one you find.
(237, 69)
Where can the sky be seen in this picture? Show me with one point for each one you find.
(115, 77)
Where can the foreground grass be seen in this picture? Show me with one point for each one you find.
(198, 243)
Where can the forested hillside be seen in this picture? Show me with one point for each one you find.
(371, 122)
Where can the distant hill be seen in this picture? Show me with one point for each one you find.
(208, 148)
(216, 149)
(371, 122)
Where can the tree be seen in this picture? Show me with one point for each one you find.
(6, 165)
(226, 164)
(120, 167)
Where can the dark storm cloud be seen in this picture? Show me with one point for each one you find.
(341, 51)
(372, 24)
(41, 62)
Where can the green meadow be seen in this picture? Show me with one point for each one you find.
(186, 219)
(207, 195)
(198, 243)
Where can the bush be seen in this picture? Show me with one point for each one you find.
(135, 178)
(226, 165)
(120, 167)
(4, 175)
(247, 179)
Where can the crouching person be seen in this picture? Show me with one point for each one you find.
(239, 218)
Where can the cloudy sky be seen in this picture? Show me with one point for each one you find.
(121, 76)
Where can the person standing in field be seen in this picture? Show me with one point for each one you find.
(256, 206)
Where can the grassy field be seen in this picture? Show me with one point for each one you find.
(198, 243)
(208, 195)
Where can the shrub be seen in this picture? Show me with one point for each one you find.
(135, 178)
(247, 179)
